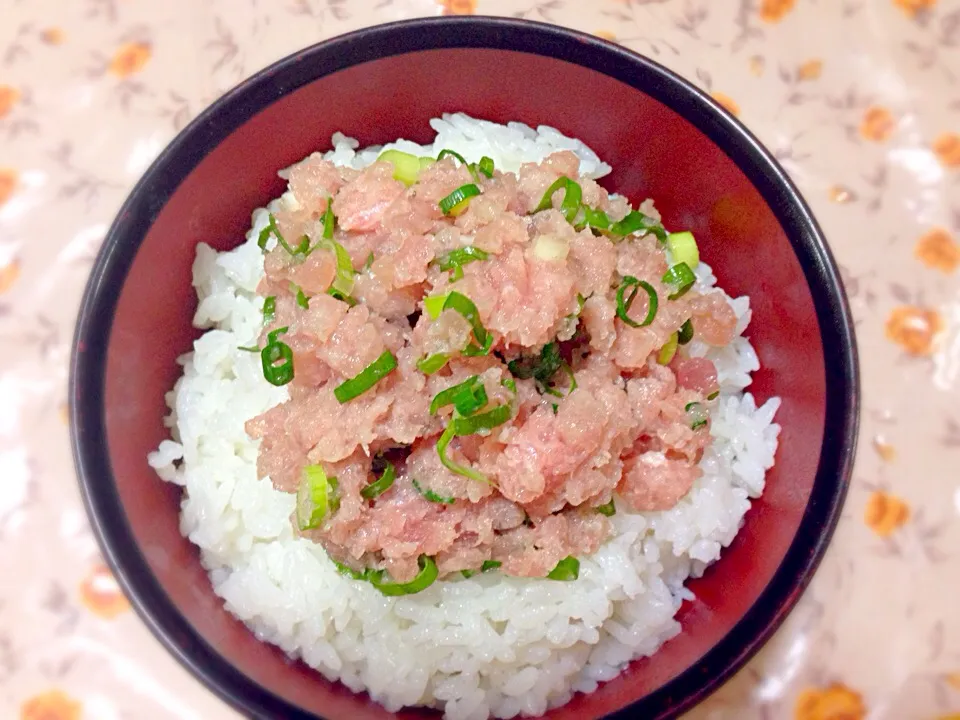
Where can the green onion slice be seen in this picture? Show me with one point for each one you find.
(366, 379)
(343, 282)
(406, 167)
(683, 248)
(509, 384)
(314, 499)
(328, 222)
(302, 300)
(486, 166)
(636, 221)
(343, 297)
(424, 579)
(697, 414)
(432, 363)
(249, 348)
(570, 205)
(451, 465)
(681, 277)
(464, 305)
(714, 395)
(484, 421)
(668, 350)
(685, 333)
(368, 263)
(623, 305)
(430, 496)
(608, 509)
(595, 218)
(541, 368)
(269, 309)
(566, 570)
(277, 359)
(451, 153)
(456, 259)
(467, 397)
(347, 571)
(433, 304)
(487, 566)
(380, 485)
(457, 201)
(272, 229)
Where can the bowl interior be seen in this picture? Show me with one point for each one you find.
(654, 152)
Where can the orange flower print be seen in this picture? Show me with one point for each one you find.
(606, 35)
(101, 595)
(951, 716)
(947, 149)
(913, 7)
(727, 102)
(51, 705)
(756, 65)
(877, 124)
(129, 59)
(886, 451)
(915, 329)
(8, 275)
(458, 7)
(835, 702)
(885, 513)
(8, 183)
(841, 194)
(52, 36)
(773, 11)
(810, 70)
(938, 250)
(953, 680)
(9, 96)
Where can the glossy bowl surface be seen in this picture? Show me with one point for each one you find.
(664, 139)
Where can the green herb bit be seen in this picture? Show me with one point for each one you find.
(381, 484)
(607, 509)
(366, 379)
(272, 229)
(424, 579)
(680, 277)
(302, 300)
(456, 259)
(541, 368)
(276, 358)
(570, 205)
(456, 202)
(685, 334)
(566, 570)
(432, 363)
(431, 496)
(636, 221)
(269, 309)
(486, 166)
(315, 497)
(623, 305)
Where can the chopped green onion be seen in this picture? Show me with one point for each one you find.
(432, 363)
(302, 299)
(272, 229)
(668, 350)
(472, 350)
(566, 570)
(594, 218)
(366, 379)
(426, 162)
(314, 497)
(467, 397)
(478, 423)
(451, 153)
(469, 573)
(608, 509)
(685, 334)
(714, 395)
(456, 202)
(681, 277)
(250, 348)
(368, 263)
(509, 384)
(485, 567)
(486, 166)
(433, 304)
(635, 221)
(683, 248)
(456, 259)
(343, 282)
(343, 297)
(273, 352)
(623, 306)
(329, 221)
(381, 484)
(451, 465)
(424, 579)
(269, 309)
(464, 305)
(697, 414)
(542, 369)
(347, 571)
(570, 205)
(556, 408)
(406, 167)
(431, 496)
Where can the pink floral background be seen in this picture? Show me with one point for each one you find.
(859, 99)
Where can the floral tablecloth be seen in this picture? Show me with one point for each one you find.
(859, 99)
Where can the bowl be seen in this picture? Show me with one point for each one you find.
(664, 138)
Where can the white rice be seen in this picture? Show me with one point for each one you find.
(490, 645)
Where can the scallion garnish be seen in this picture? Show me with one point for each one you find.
(406, 167)
(685, 333)
(302, 300)
(315, 497)
(636, 221)
(486, 166)
(348, 571)
(424, 579)
(570, 205)
(466, 397)
(366, 379)
(269, 309)
(430, 496)
(451, 465)
(432, 363)
(669, 349)
(343, 297)
(464, 305)
(343, 282)
(277, 359)
(541, 368)
(433, 304)
(681, 277)
(381, 484)
(368, 263)
(509, 384)
(697, 414)
(714, 395)
(607, 509)
(329, 222)
(456, 259)
(459, 427)
(595, 218)
(451, 153)
(272, 229)
(485, 567)
(249, 348)
(566, 570)
(457, 201)
(623, 305)
(683, 248)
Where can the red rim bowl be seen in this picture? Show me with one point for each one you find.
(664, 139)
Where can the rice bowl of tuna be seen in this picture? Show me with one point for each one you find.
(462, 422)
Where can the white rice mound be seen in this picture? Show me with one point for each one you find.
(490, 645)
